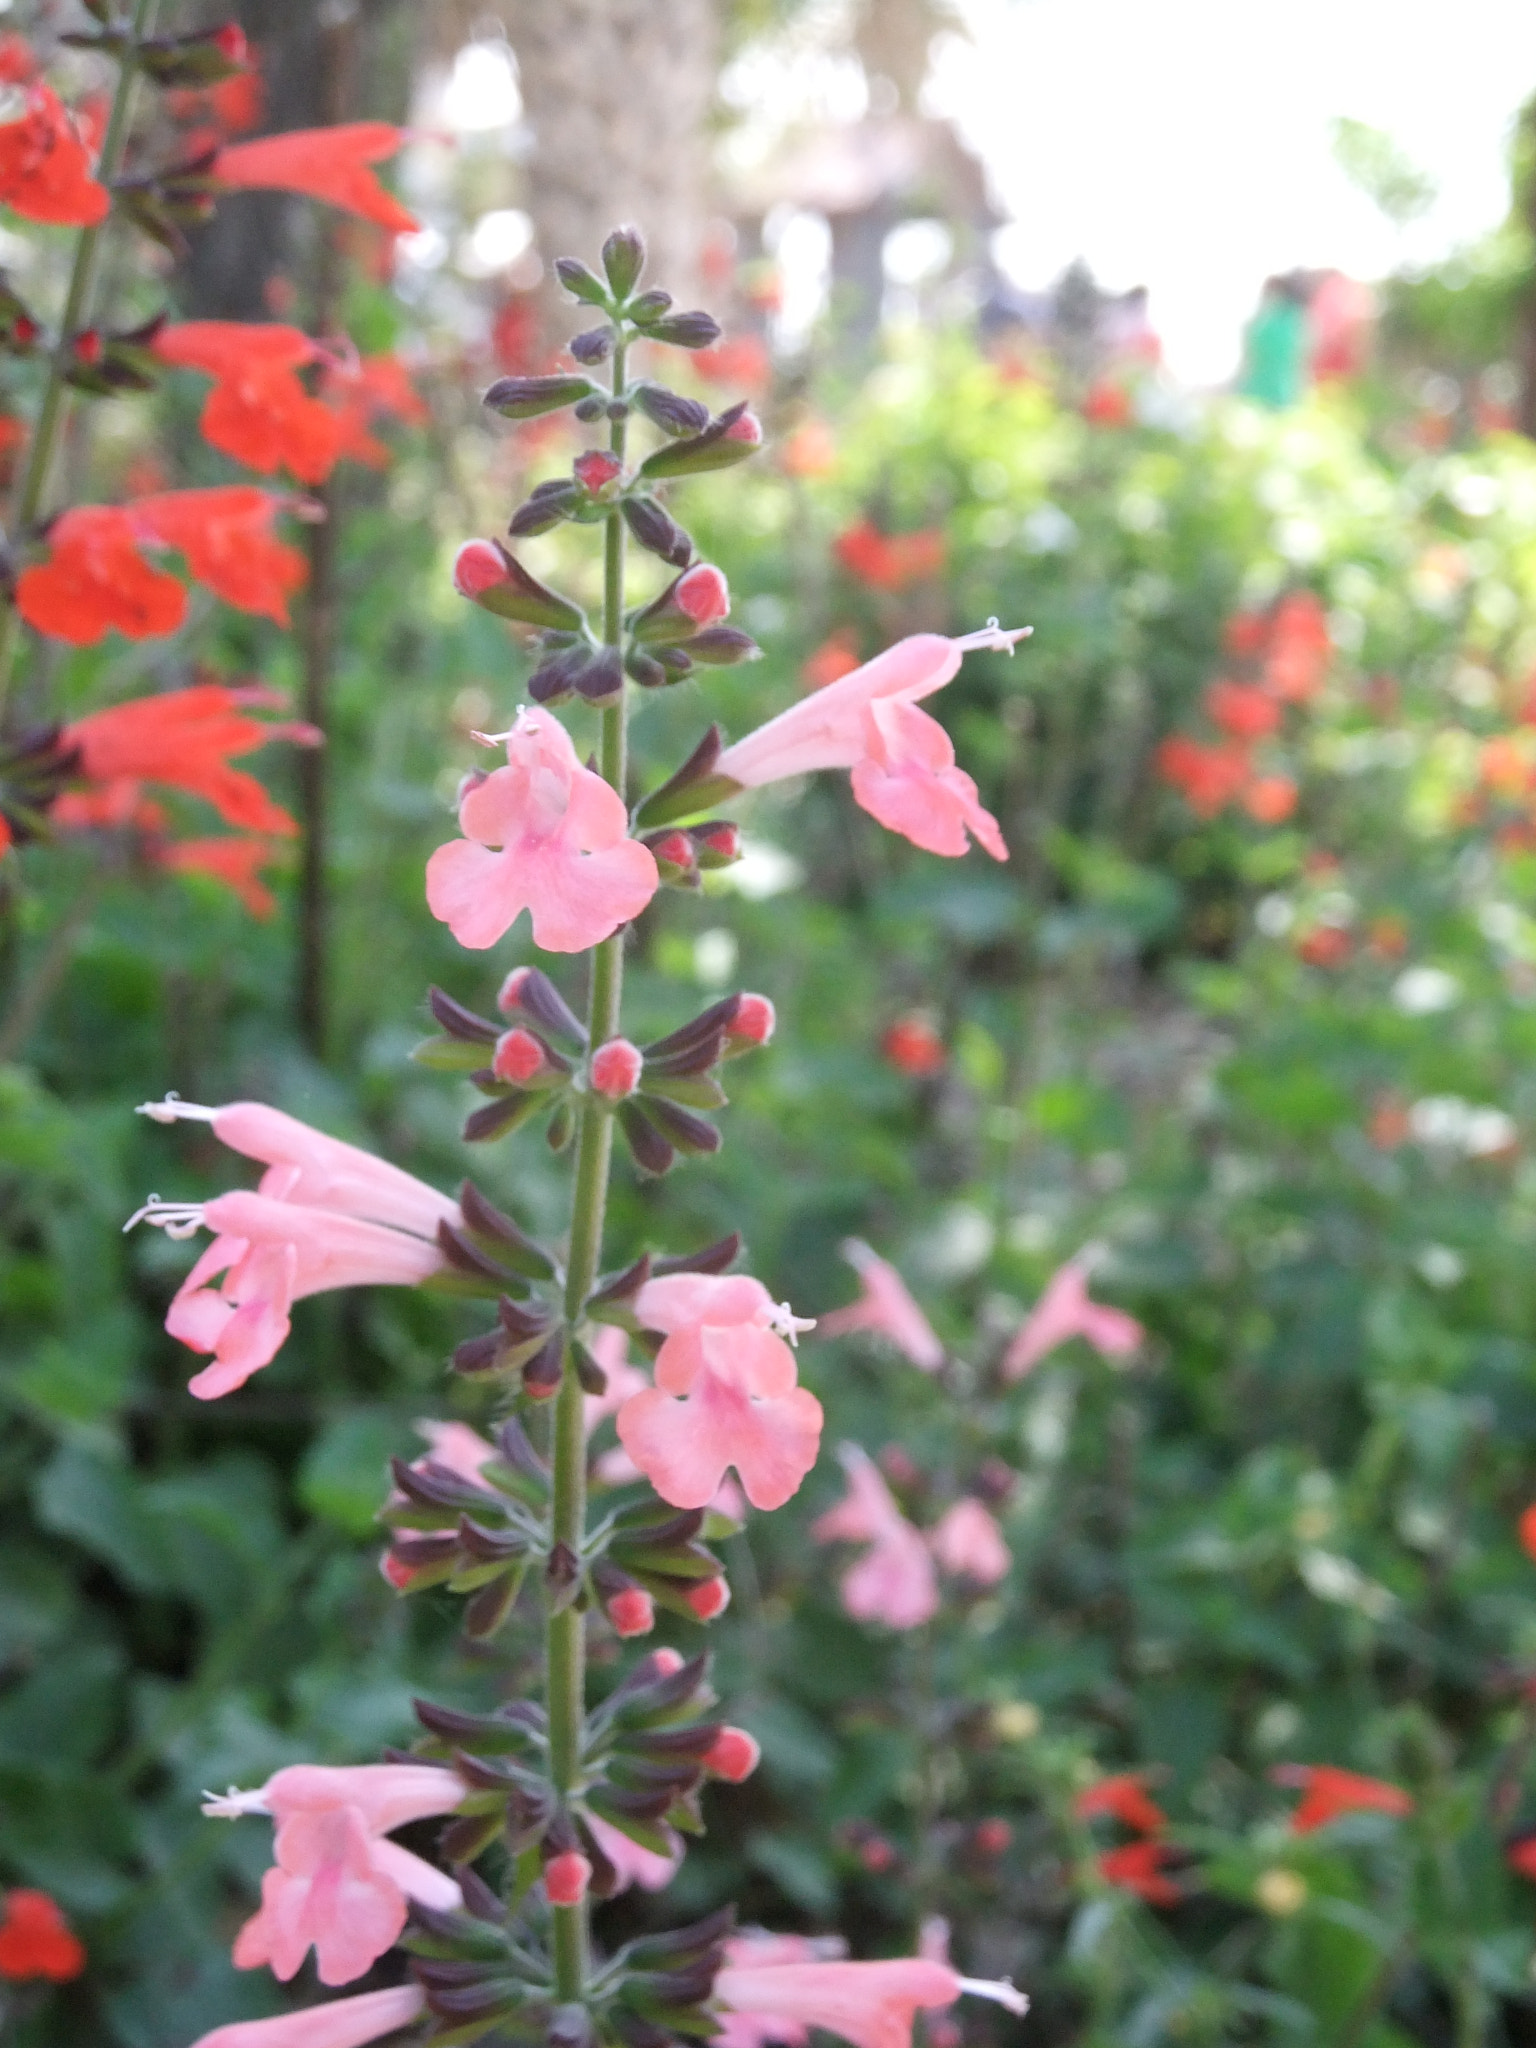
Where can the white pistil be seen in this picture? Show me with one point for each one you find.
(174, 1110)
(993, 638)
(785, 1323)
(234, 1804)
(176, 1219)
(999, 1990)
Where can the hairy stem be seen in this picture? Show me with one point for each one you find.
(565, 1641)
(48, 432)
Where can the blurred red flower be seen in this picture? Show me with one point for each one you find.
(45, 165)
(1107, 404)
(17, 60)
(332, 164)
(1296, 657)
(742, 361)
(1242, 710)
(185, 739)
(1208, 777)
(36, 1941)
(889, 561)
(258, 411)
(1326, 945)
(1327, 1792)
(811, 450)
(1124, 1797)
(234, 861)
(1270, 799)
(1527, 1531)
(96, 579)
(226, 535)
(363, 391)
(836, 657)
(912, 1046)
(1138, 1867)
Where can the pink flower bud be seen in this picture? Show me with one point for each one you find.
(993, 1836)
(754, 1020)
(709, 1598)
(519, 1056)
(632, 1612)
(511, 989)
(596, 470)
(734, 1755)
(722, 842)
(876, 1854)
(478, 567)
(748, 428)
(566, 1878)
(898, 1466)
(616, 1069)
(674, 850)
(702, 592)
(667, 1661)
(396, 1571)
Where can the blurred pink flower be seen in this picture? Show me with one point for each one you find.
(1064, 1311)
(725, 1393)
(968, 1543)
(635, 1865)
(886, 1308)
(870, 2004)
(894, 1581)
(457, 1447)
(337, 1882)
(544, 835)
(344, 2023)
(903, 764)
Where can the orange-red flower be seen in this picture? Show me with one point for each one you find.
(18, 60)
(185, 739)
(1138, 1867)
(913, 1046)
(226, 535)
(742, 362)
(1107, 404)
(1327, 1792)
(1209, 777)
(96, 579)
(1527, 1530)
(1124, 1797)
(258, 411)
(836, 657)
(234, 861)
(361, 392)
(1521, 1856)
(45, 165)
(1270, 799)
(325, 163)
(889, 561)
(1243, 710)
(36, 1941)
(1296, 660)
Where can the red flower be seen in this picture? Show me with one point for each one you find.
(1138, 1867)
(742, 362)
(1209, 777)
(912, 1046)
(233, 861)
(1327, 1792)
(1270, 799)
(1527, 1530)
(1299, 647)
(17, 60)
(360, 393)
(95, 578)
(1107, 404)
(184, 739)
(258, 411)
(45, 166)
(1521, 1856)
(35, 1940)
(1326, 945)
(835, 658)
(1242, 710)
(226, 535)
(325, 163)
(889, 561)
(1124, 1797)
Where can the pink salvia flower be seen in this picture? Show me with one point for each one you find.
(345, 2023)
(884, 1308)
(455, 1446)
(894, 1582)
(969, 1545)
(647, 1868)
(871, 2005)
(337, 1883)
(1064, 1311)
(725, 1394)
(903, 765)
(544, 835)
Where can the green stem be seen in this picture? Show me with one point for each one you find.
(49, 430)
(565, 1640)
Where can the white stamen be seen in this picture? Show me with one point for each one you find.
(234, 1804)
(499, 739)
(994, 638)
(174, 1110)
(785, 1323)
(176, 1219)
(1001, 1992)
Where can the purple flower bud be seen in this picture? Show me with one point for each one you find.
(645, 669)
(524, 398)
(697, 329)
(591, 409)
(594, 346)
(601, 677)
(672, 413)
(623, 260)
(545, 507)
(723, 647)
(657, 531)
(579, 281)
(649, 306)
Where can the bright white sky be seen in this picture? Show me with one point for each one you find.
(1185, 144)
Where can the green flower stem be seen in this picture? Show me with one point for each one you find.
(565, 1639)
(78, 301)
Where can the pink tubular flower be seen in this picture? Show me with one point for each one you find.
(894, 1581)
(903, 765)
(870, 2004)
(885, 1308)
(968, 1544)
(345, 2023)
(725, 1393)
(544, 835)
(616, 1069)
(647, 1868)
(326, 1214)
(336, 1881)
(1064, 1311)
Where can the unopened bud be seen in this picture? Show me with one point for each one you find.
(597, 469)
(566, 1878)
(723, 647)
(519, 1056)
(673, 852)
(670, 411)
(579, 281)
(616, 1071)
(524, 398)
(86, 347)
(753, 1022)
(590, 409)
(632, 1612)
(649, 306)
(708, 1598)
(477, 567)
(667, 1661)
(734, 1755)
(717, 844)
(703, 593)
(230, 42)
(746, 427)
(595, 346)
(696, 329)
(657, 531)
(623, 260)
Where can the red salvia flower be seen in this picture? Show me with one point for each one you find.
(36, 1941)
(234, 861)
(1296, 660)
(1208, 777)
(1243, 710)
(1327, 1792)
(361, 392)
(258, 411)
(1526, 1527)
(18, 62)
(1521, 1856)
(185, 739)
(1124, 1797)
(45, 165)
(325, 163)
(226, 535)
(96, 579)
(889, 561)
(1138, 1867)
(912, 1046)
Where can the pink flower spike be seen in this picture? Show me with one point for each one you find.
(726, 1394)
(596, 470)
(702, 592)
(968, 1544)
(894, 1582)
(616, 1069)
(566, 1878)
(734, 1755)
(645, 1867)
(344, 2023)
(544, 835)
(1065, 1311)
(885, 1308)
